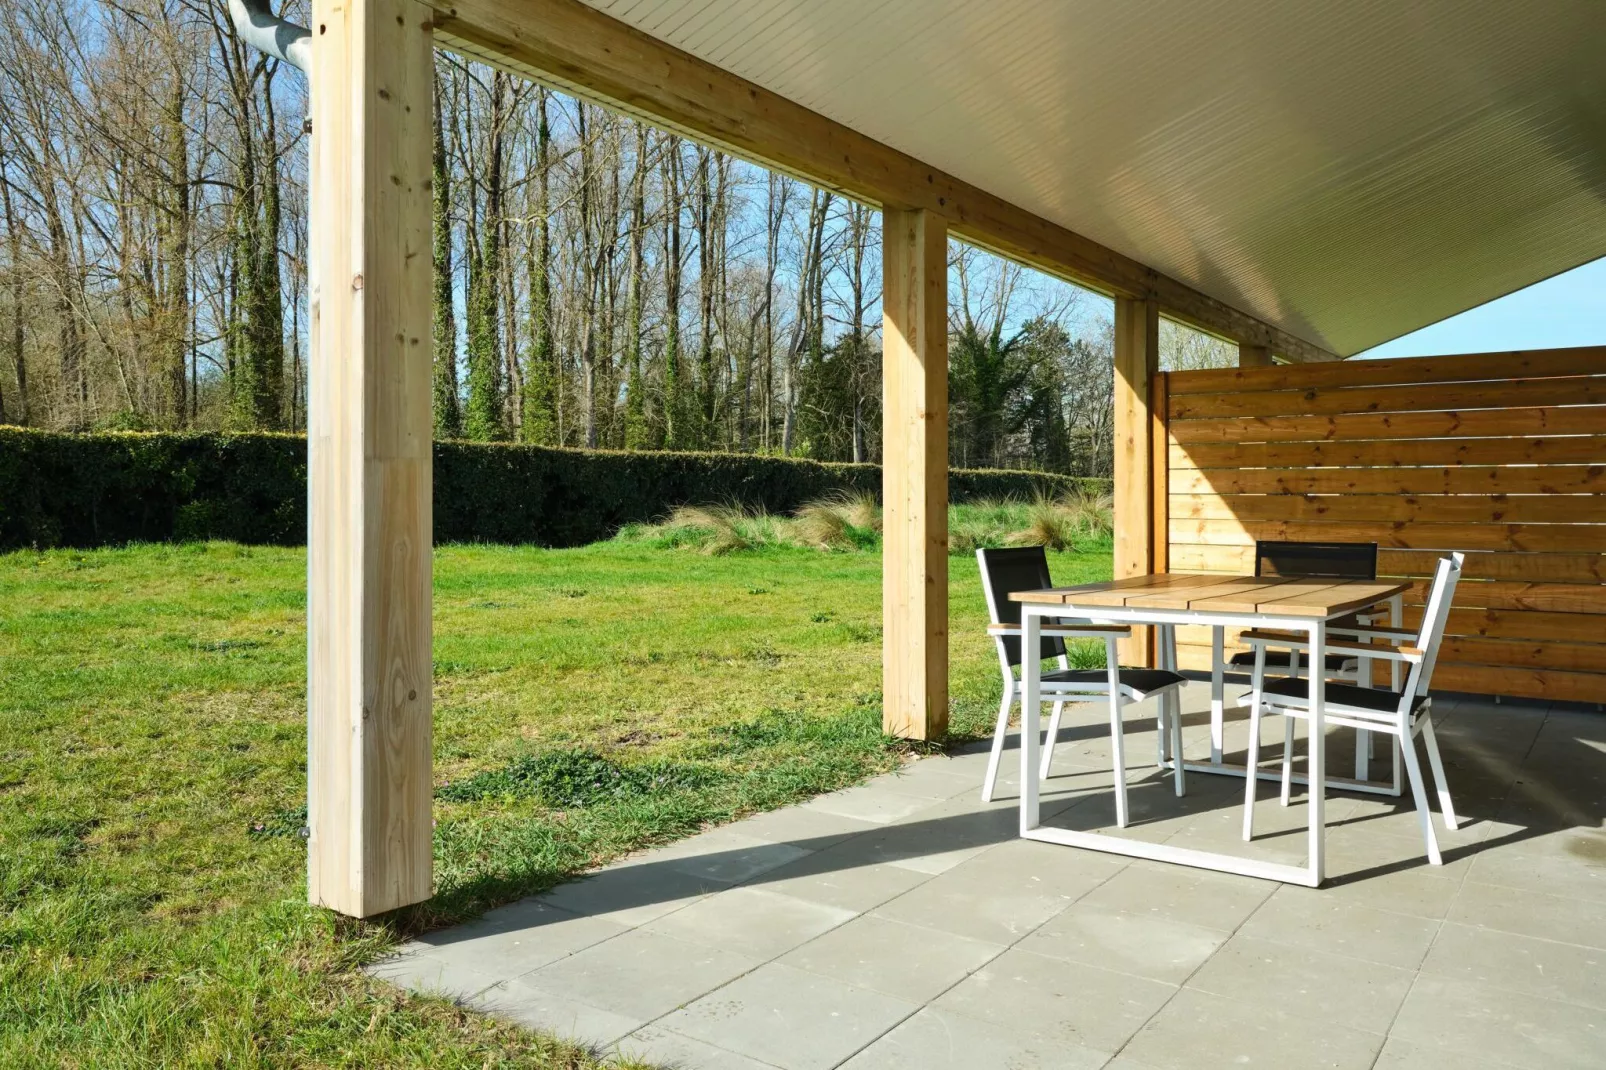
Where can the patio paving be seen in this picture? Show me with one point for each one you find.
(901, 924)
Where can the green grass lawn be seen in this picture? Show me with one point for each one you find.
(152, 767)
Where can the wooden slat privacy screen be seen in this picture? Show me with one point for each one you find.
(1500, 455)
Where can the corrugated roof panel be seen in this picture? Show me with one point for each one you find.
(1349, 172)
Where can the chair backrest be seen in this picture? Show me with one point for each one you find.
(1434, 619)
(1323, 560)
(1008, 569)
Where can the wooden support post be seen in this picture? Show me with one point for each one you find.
(1252, 356)
(914, 587)
(1137, 360)
(369, 442)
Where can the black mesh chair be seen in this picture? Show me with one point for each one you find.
(1311, 560)
(1316, 560)
(1025, 568)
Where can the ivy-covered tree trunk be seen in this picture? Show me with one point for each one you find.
(484, 417)
(674, 404)
(636, 387)
(448, 406)
(540, 423)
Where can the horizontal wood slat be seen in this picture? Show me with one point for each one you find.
(1577, 449)
(1532, 538)
(1538, 568)
(1392, 508)
(1578, 390)
(1499, 456)
(1459, 367)
(1550, 479)
(1468, 423)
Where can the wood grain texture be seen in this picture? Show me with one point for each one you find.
(1137, 363)
(1456, 368)
(1577, 390)
(1570, 450)
(369, 457)
(915, 474)
(1549, 479)
(1500, 456)
(1395, 508)
(1538, 421)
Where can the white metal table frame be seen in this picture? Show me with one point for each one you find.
(1315, 629)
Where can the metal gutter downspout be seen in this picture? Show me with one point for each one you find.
(259, 27)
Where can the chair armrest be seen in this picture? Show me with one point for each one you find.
(1336, 646)
(1064, 631)
(1376, 631)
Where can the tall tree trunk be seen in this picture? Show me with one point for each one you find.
(484, 417)
(673, 405)
(636, 395)
(809, 290)
(174, 239)
(588, 283)
(703, 199)
(540, 373)
(448, 406)
(18, 329)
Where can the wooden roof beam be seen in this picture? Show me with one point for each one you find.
(572, 47)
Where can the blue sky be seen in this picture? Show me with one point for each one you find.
(1566, 310)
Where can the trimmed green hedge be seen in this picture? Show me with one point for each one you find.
(108, 489)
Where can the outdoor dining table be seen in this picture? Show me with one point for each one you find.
(1305, 607)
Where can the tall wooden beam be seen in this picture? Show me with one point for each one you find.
(574, 47)
(1137, 360)
(1252, 356)
(914, 587)
(369, 443)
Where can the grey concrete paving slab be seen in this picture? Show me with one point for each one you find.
(1305, 982)
(791, 1018)
(1197, 1029)
(1323, 924)
(664, 1048)
(879, 803)
(725, 854)
(1542, 968)
(1195, 896)
(905, 961)
(905, 924)
(632, 894)
(936, 1040)
(752, 921)
(1486, 1022)
(1156, 948)
(842, 879)
(553, 1012)
(1058, 1002)
(985, 899)
(517, 939)
(1528, 913)
(642, 974)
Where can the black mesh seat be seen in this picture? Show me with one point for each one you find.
(1375, 699)
(1140, 681)
(1279, 659)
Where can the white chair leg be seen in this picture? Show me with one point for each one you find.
(1117, 732)
(1050, 739)
(999, 732)
(1436, 764)
(1413, 772)
(1251, 770)
(1173, 701)
(1288, 758)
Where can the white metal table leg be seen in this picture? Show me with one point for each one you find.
(1318, 757)
(1031, 716)
(1218, 688)
(1117, 732)
(1396, 681)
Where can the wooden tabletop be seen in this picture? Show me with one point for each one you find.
(1291, 597)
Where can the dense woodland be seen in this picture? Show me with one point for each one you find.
(599, 282)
